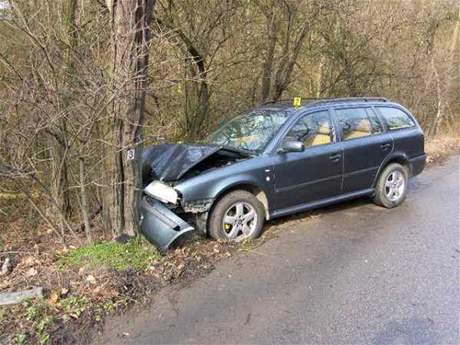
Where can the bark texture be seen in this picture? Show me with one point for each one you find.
(131, 37)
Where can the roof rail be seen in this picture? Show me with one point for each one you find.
(350, 99)
(332, 99)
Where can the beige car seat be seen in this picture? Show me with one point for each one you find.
(321, 137)
(362, 129)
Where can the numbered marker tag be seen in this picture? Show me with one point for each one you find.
(297, 102)
(131, 154)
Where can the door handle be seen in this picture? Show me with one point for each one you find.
(335, 157)
(385, 147)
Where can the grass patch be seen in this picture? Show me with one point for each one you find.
(42, 318)
(135, 254)
(74, 306)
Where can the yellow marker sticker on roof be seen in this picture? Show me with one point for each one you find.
(297, 102)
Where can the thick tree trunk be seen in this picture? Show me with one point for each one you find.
(131, 36)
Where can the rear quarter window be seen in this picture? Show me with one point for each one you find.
(396, 118)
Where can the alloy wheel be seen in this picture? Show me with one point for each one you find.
(240, 221)
(395, 185)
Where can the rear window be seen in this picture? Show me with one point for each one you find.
(357, 122)
(396, 118)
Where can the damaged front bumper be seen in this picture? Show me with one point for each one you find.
(160, 225)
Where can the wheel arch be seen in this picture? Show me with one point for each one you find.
(399, 158)
(252, 188)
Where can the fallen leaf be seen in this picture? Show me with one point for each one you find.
(64, 292)
(28, 261)
(53, 297)
(90, 279)
(31, 272)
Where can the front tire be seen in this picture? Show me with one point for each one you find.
(237, 216)
(391, 188)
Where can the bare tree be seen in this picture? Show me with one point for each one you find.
(131, 36)
(288, 24)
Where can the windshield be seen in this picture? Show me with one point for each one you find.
(250, 132)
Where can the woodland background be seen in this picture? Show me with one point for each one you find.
(83, 81)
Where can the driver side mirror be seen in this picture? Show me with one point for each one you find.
(292, 146)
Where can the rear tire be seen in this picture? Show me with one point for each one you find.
(237, 216)
(391, 188)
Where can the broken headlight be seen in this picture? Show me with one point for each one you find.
(197, 206)
(162, 192)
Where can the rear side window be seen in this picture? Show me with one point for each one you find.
(358, 122)
(396, 118)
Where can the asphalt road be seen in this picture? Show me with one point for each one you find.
(357, 274)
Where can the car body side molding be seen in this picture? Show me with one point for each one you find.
(321, 203)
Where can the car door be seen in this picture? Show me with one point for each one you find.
(365, 146)
(316, 172)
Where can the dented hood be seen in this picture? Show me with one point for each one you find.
(169, 162)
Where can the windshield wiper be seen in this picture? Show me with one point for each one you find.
(245, 152)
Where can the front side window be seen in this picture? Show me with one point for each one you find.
(249, 132)
(357, 123)
(396, 118)
(313, 129)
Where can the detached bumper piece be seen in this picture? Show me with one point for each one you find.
(160, 225)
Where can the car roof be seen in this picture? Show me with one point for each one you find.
(318, 102)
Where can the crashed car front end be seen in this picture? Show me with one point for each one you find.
(164, 218)
(165, 214)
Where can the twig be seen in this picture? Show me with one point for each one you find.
(14, 252)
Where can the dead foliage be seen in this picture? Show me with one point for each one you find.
(438, 149)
